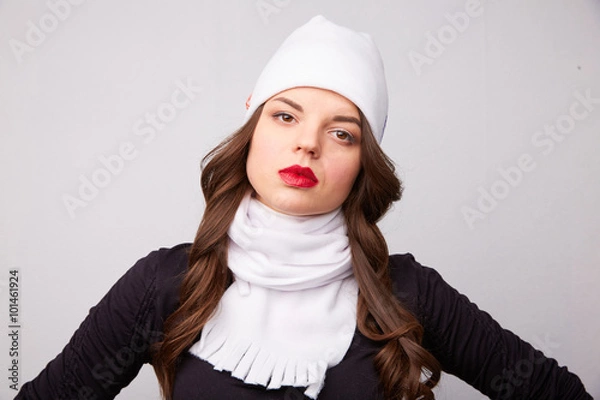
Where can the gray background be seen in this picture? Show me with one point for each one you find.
(78, 93)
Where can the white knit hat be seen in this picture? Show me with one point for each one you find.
(324, 55)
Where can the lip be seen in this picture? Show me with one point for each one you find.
(298, 176)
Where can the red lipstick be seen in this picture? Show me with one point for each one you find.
(298, 176)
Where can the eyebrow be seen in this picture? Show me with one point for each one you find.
(337, 118)
(291, 103)
(344, 118)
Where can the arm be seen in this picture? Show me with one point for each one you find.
(470, 344)
(112, 343)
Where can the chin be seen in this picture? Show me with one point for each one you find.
(304, 210)
(293, 207)
(296, 203)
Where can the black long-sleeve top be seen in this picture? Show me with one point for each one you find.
(113, 342)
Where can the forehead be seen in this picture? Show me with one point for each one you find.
(316, 98)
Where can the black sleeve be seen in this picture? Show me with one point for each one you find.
(470, 344)
(112, 343)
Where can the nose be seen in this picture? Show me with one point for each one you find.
(308, 141)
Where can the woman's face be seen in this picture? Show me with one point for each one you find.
(305, 152)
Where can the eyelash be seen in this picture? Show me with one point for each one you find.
(279, 116)
(350, 138)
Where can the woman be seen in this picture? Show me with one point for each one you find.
(288, 290)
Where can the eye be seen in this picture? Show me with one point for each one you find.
(344, 136)
(284, 117)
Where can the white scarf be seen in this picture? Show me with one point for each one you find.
(291, 311)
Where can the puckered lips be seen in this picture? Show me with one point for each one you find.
(298, 176)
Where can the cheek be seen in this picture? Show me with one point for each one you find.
(345, 171)
(260, 158)
(264, 143)
(253, 164)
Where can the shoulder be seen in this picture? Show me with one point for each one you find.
(446, 315)
(164, 269)
(150, 288)
(411, 281)
(166, 263)
(422, 289)
(159, 270)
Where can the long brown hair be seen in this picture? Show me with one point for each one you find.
(401, 362)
